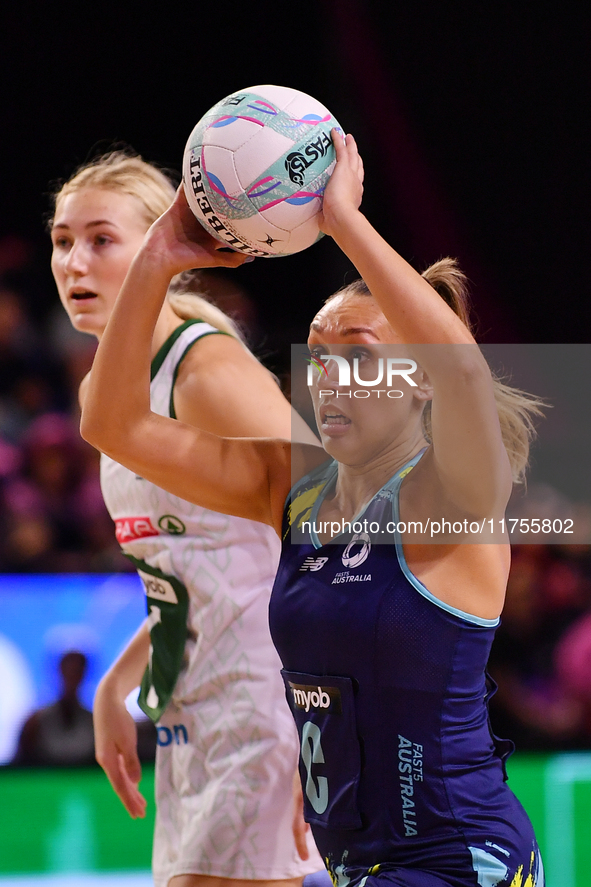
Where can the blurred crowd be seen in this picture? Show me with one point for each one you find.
(541, 656)
(52, 517)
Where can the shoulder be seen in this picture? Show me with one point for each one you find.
(221, 387)
(217, 354)
(304, 493)
(317, 475)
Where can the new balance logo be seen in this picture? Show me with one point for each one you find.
(313, 563)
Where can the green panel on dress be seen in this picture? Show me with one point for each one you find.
(168, 608)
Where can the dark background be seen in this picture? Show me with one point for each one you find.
(473, 119)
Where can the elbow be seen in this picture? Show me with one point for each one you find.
(470, 379)
(115, 434)
(472, 370)
(463, 367)
(101, 433)
(89, 431)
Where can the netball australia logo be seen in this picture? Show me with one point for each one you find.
(357, 551)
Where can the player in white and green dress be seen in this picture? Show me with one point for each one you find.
(226, 744)
(209, 675)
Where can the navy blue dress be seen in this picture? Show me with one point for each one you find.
(402, 777)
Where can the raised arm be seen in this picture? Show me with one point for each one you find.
(468, 455)
(246, 477)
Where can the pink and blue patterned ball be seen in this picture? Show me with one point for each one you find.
(255, 168)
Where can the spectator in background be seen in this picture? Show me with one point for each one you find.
(60, 734)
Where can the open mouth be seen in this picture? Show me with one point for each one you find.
(82, 295)
(335, 419)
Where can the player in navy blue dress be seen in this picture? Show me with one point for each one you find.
(384, 636)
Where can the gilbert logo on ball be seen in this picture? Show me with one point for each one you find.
(255, 169)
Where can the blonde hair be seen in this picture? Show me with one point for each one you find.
(127, 173)
(517, 409)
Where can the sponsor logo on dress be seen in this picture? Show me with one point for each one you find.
(310, 696)
(166, 735)
(313, 563)
(129, 528)
(346, 576)
(158, 588)
(172, 525)
(410, 770)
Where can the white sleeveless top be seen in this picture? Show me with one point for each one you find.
(226, 563)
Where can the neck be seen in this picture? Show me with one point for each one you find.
(357, 484)
(165, 325)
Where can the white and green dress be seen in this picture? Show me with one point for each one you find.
(227, 746)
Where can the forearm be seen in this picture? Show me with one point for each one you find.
(411, 305)
(118, 398)
(127, 671)
(115, 733)
(118, 395)
(464, 421)
(439, 341)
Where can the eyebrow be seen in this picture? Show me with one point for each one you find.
(357, 331)
(94, 224)
(346, 331)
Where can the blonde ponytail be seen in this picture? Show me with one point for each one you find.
(188, 299)
(451, 284)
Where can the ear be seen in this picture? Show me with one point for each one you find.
(424, 389)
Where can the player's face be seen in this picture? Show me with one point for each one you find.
(95, 234)
(358, 423)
